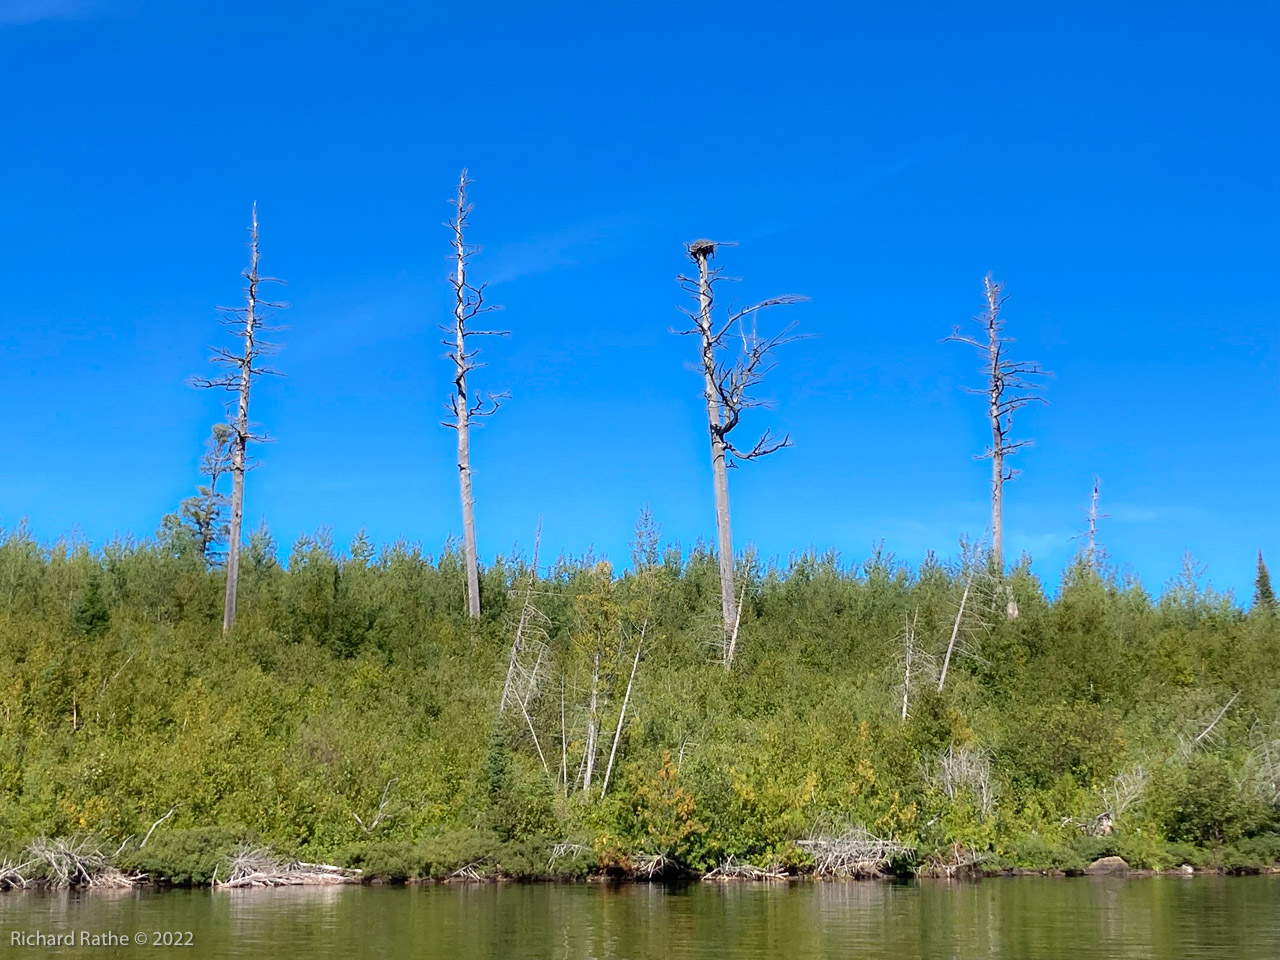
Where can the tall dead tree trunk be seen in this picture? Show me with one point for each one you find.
(1010, 386)
(243, 367)
(727, 383)
(1091, 535)
(593, 725)
(468, 303)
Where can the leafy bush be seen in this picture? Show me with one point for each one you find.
(1199, 801)
(183, 857)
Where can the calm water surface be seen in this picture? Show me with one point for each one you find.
(1017, 919)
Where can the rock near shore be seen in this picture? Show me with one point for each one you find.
(1106, 866)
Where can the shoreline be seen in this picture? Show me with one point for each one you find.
(673, 879)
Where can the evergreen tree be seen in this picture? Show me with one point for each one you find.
(201, 519)
(1263, 595)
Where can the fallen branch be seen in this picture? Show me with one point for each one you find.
(732, 869)
(260, 867)
(470, 873)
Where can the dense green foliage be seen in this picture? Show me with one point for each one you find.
(353, 712)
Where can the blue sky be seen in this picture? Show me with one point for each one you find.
(1115, 167)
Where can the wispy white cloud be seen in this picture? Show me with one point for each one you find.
(1144, 513)
(14, 12)
(569, 246)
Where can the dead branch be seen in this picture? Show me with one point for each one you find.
(66, 863)
(732, 869)
(381, 813)
(565, 849)
(854, 853)
(259, 867)
(157, 823)
(958, 770)
(1187, 746)
(467, 874)
(650, 865)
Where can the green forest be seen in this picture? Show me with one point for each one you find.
(586, 723)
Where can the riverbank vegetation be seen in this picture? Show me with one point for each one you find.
(586, 723)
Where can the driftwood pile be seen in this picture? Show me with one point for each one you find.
(469, 874)
(259, 867)
(733, 869)
(650, 865)
(854, 854)
(13, 876)
(63, 863)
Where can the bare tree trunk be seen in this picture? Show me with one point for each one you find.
(247, 323)
(592, 722)
(462, 406)
(528, 614)
(726, 387)
(1010, 386)
(1094, 517)
(909, 640)
(468, 515)
(715, 423)
(955, 632)
(564, 742)
(233, 538)
(997, 505)
(468, 303)
(733, 637)
(622, 714)
(240, 439)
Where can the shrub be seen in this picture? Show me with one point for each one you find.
(184, 857)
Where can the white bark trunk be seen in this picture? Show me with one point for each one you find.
(589, 754)
(617, 733)
(240, 441)
(955, 632)
(997, 470)
(463, 424)
(719, 467)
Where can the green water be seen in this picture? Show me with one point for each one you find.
(1017, 919)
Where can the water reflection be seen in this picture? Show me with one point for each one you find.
(1015, 919)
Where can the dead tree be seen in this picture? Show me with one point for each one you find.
(914, 660)
(593, 725)
(1011, 385)
(243, 367)
(468, 303)
(728, 383)
(955, 631)
(622, 714)
(1090, 536)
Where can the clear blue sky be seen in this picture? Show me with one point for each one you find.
(1116, 167)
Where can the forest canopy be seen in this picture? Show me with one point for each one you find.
(354, 711)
